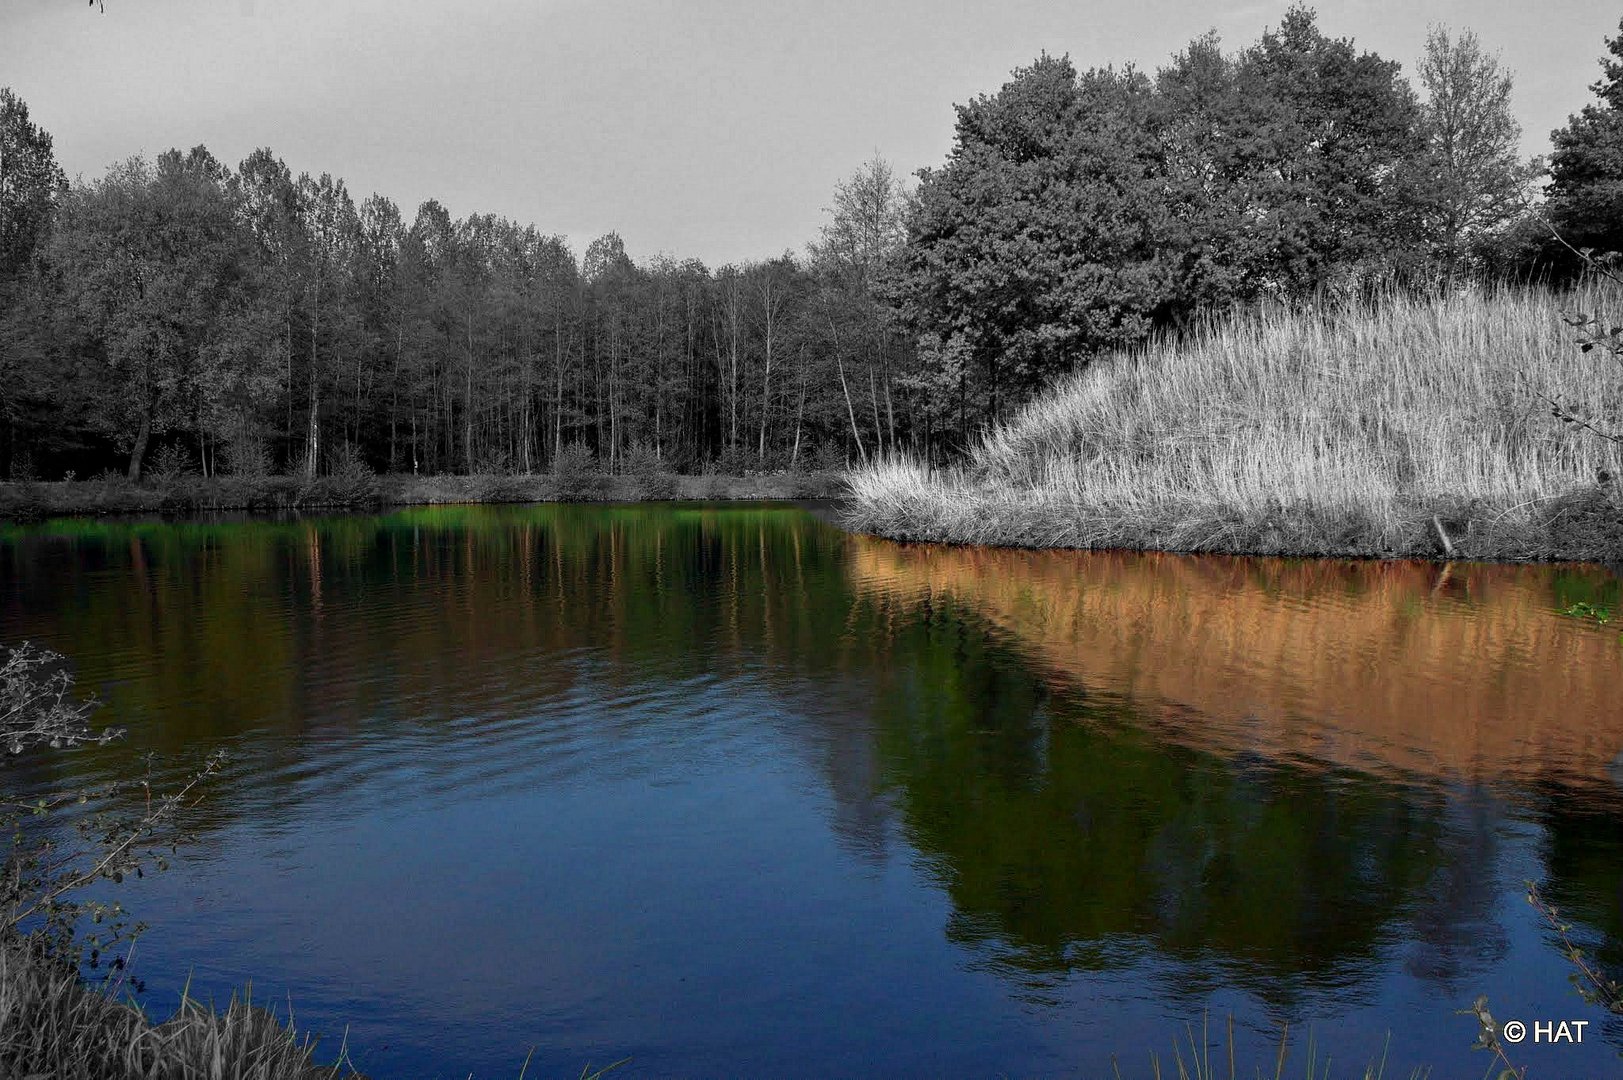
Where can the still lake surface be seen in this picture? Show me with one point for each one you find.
(728, 791)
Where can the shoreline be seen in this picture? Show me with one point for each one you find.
(1581, 526)
(25, 502)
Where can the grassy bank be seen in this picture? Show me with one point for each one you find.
(54, 1025)
(32, 501)
(1358, 432)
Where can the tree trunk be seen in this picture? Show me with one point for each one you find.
(394, 399)
(850, 409)
(288, 340)
(312, 449)
(800, 414)
(766, 395)
(845, 388)
(467, 404)
(732, 397)
(139, 451)
(873, 398)
(890, 407)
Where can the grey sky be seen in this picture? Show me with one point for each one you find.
(712, 128)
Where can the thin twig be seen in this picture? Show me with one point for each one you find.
(1605, 992)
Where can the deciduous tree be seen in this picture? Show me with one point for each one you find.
(31, 184)
(1042, 241)
(1474, 181)
(1337, 133)
(1586, 166)
(147, 260)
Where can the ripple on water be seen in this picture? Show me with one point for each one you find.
(731, 791)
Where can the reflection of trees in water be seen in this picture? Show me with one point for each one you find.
(1219, 710)
(302, 642)
(1455, 931)
(1071, 830)
(1455, 673)
(1069, 839)
(837, 740)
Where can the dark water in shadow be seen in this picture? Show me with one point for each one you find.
(729, 792)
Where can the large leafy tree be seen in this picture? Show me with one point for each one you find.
(1290, 166)
(266, 200)
(1077, 212)
(148, 263)
(1473, 183)
(31, 184)
(613, 281)
(428, 268)
(1043, 239)
(1336, 135)
(555, 293)
(1221, 175)
(1586, 165)
(329, 245)
(377, 367)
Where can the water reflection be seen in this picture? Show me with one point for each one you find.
(1461, 672)
(895, 809)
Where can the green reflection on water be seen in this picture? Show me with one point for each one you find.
(1068, 838)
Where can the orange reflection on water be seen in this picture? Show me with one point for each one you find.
(1464, 671)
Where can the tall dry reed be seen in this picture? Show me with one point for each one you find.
(1339, 431)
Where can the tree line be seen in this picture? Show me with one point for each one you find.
(247, 320)
(262, 321)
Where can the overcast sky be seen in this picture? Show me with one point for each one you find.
(711, 128)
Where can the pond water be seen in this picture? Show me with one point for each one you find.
(727, 791)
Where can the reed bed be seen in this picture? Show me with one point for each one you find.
(1407, 426)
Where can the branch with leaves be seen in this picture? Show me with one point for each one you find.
(47, 865)
(1594, 333)
(1578, 416)
(37, 707)
(1593, 984)
(1488, 1039)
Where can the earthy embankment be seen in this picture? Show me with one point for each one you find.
(33, 501)
(1418, 428)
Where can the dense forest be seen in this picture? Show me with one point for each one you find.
(185, 314)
